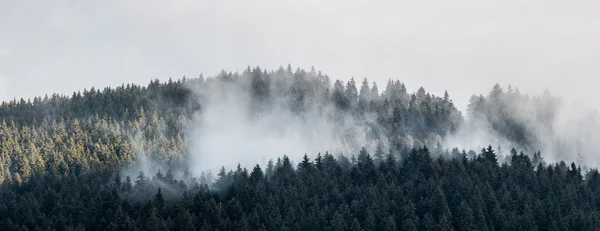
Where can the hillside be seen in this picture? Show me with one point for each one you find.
(301, 152)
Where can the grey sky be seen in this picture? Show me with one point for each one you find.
(464, 46)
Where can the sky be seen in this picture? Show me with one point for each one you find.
(463, 46)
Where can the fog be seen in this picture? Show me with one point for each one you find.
(463, 46)
(561, 130)
(234, 127)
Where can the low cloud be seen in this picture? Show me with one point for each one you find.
(559, 129)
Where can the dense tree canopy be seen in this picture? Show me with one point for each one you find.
(421, 193)
(61, 159)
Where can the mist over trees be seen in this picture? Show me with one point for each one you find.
(97, 130)
(509, 118)
(377, 158)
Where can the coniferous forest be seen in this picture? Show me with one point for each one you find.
(63, 161)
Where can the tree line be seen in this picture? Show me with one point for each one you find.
(386, 191)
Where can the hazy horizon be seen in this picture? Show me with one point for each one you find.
(464, 47)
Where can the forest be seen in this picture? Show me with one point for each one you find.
(72, 162)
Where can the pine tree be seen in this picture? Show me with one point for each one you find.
(184, 221)
(306, 165)
(409, 220)
(154, 223)
(159, 199)
(257, 174)
(464, 218)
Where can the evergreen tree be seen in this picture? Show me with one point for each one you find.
(464, 218)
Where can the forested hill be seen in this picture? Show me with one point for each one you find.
(98, 130)
(64, 160)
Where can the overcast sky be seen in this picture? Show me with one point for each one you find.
(462, 46)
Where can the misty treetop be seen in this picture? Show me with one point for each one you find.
(532, 123)
(108, 129)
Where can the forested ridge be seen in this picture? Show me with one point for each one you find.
(103, 130)
(62, 160)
